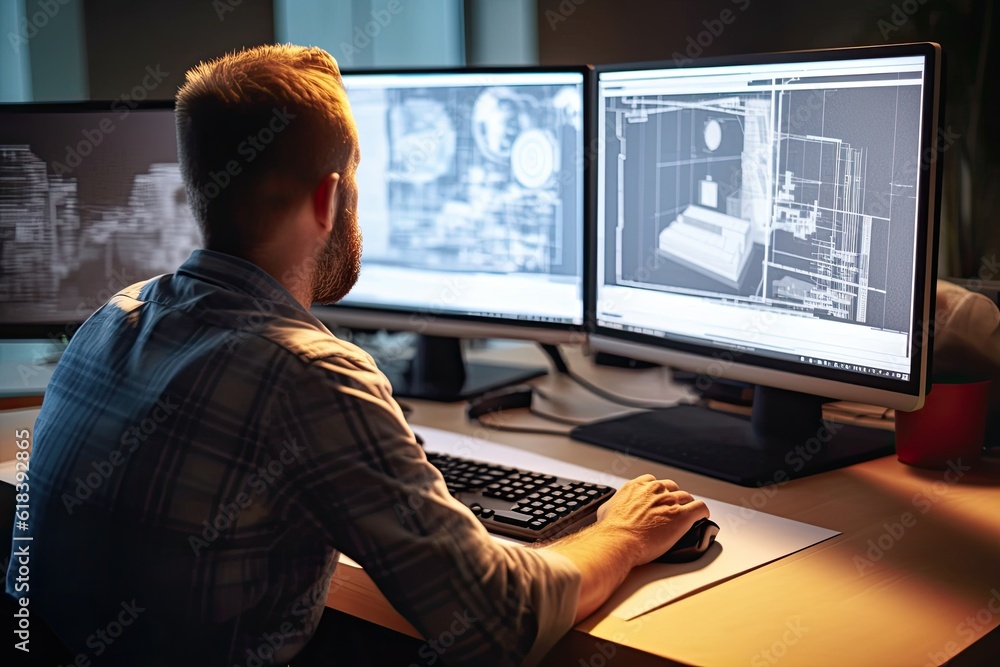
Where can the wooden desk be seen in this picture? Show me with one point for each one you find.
(913, 580)
(879, 594)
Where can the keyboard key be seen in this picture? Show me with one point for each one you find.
(513, 518)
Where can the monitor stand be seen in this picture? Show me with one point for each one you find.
(786, 438)
(439, 372)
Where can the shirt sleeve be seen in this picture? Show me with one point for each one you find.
(367, 486)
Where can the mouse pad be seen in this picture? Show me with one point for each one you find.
(747, 538)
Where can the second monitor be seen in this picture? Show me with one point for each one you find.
(769, 219)
(472, 203)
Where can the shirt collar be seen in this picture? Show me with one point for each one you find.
(238, 275)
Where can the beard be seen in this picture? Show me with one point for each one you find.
(339, 262)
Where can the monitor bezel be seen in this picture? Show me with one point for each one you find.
(796, 376)
(55, 331)
(461, 325)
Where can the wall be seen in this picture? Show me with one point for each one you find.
(376, 33)
(124, 38)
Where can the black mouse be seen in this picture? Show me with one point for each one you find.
(693, 544)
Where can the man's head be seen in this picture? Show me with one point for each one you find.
(268, 148)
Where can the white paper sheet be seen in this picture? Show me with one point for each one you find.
(747, 538)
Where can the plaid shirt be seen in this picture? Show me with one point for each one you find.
(206, 449)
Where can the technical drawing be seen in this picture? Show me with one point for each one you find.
(471, 178)
(710, 242)
(746, 198)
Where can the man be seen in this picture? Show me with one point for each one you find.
(239, 447)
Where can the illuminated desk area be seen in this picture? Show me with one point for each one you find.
(923, 594)
(912, 580)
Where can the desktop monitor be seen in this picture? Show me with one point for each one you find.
(91, 201)
(471, 203)
(771, 220)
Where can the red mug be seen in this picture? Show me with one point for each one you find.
(951, 425)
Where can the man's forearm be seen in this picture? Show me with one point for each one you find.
(605, 555)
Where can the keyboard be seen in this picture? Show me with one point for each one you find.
(518, 503)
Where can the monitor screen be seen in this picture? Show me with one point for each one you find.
(775, 214)
(471, 195)
(91, 201)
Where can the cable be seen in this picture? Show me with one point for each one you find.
(556, 418)
(518, 397)
(563, 369)
(518, 429)
(560, 420)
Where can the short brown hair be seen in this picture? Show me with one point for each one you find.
(255, 131)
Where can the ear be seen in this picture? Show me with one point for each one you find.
(325, 201)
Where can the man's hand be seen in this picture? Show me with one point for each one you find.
(654, 512)
(639, 523)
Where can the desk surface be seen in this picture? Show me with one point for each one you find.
(914, 579)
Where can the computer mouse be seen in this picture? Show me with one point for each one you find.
(693, 544)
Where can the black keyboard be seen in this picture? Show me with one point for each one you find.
(520, 503)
